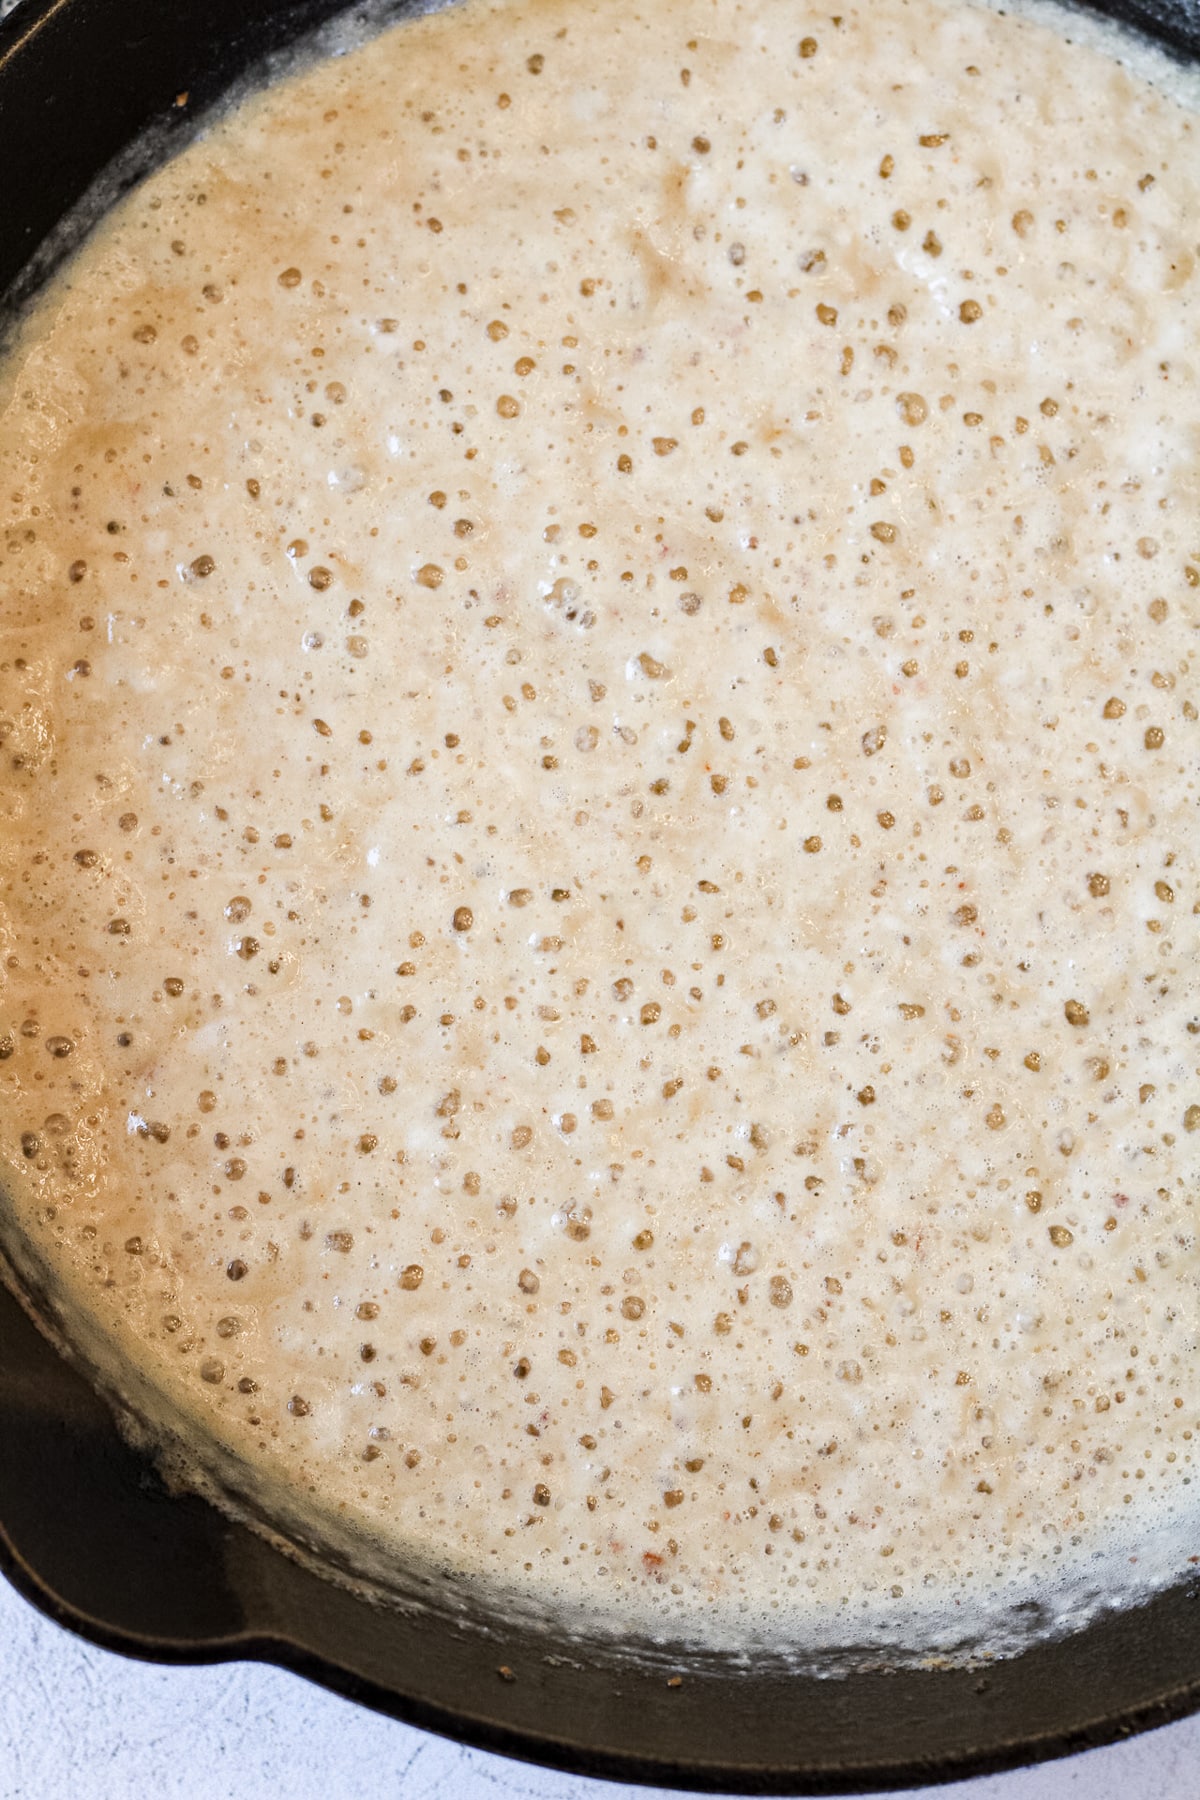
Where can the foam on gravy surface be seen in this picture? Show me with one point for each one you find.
(598, 872)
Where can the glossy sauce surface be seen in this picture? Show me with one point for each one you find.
(598, 871)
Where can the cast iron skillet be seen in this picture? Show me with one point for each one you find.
(89, 1532)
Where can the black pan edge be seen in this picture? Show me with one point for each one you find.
(92, 1536)
(93, 95)
(88, 1531)
(478, 1721)
(574, 1758)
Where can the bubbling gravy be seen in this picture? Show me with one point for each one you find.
(598, 864)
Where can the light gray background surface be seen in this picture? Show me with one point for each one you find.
(77, 1723)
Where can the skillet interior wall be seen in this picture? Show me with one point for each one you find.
(94, 96)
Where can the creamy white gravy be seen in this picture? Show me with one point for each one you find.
(598, 874)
